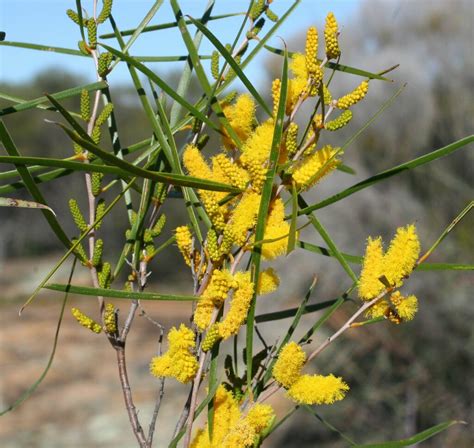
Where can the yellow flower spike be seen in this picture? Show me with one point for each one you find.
(239, 307)
(372, 269)
(276, 214)
(110, 321)
(241, 117)
(276, 87)
(311, 51)
(195, 163)
(401, 257)
(406, 307)
(339, 122)
(203, 314)
(212, 336)
(287, 368)
(233, 174)
(354, 97)
(86, 321)
(318, 389)
(256, 151)
(276, 232)
(331, 37)
(291, 141)
(313, 168)
(268, 281)
(327, 97)
(243, 218)
(218, 288)
(184, 242)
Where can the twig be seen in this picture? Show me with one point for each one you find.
(127, 395)
(196, 384)
(161, 390)
(347, 325)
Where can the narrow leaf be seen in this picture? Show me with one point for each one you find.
(384, 175)
(231, 61)
(163, 85)
(58, 96)
(328, 240)
(32, 187)
(10, 202)
(48, 48)
(116, 293)
(420, 437)
(294, 216)
(263, 211)
(164, 26)
(335, 66)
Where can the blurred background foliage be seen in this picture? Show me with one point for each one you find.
(403, 378)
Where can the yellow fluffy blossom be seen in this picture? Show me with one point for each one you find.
(311, 51)
(255, 153)
(178, 362)
(276, 238)
(243, 219)
(406, 307)
(297, 86)
(239, 306)
(354, 97)
(86, 321)
(246, 430)
(401, 257)
(298, 66)
(260, 416)
(184, 242)
(268, 281)
(241, 117)
(287, 368)
(397, 263)
(242, 435)
(213, 297)
(318, 389)
(372, 269)
(276, 232)
(313, 168)
(195, 163)
(202, 315)
(226, 415)
(110, 322)
(339, 122)
(331, 37)
(197, 166)
(233, 174)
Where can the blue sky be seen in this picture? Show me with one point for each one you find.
(45, 22)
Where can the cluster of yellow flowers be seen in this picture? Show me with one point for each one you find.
(86, 321)
(305, 389)
(381, 271)
(231, 428)
(178, 362)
